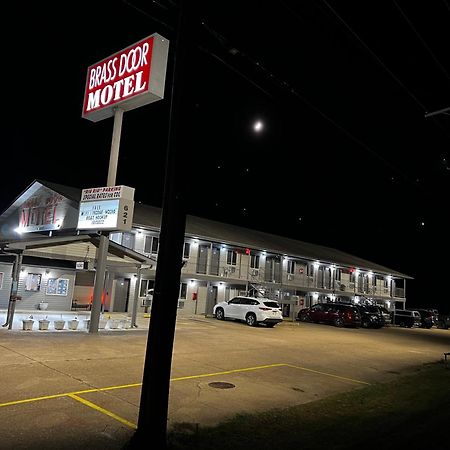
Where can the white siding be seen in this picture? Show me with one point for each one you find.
(31, 300)
(5, 290)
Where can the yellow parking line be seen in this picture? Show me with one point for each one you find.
(189, 377)
(226, 372)
(327, 374)
(65, 394)
(29, 400)
(102, 410)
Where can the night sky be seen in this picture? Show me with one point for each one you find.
(346, 157)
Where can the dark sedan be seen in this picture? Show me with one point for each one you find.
(340, 315)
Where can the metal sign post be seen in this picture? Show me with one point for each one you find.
(102, 250)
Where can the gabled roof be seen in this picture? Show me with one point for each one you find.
(150, 217)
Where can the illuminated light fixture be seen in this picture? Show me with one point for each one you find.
(19, 230)
(258, 126)
(316, 264)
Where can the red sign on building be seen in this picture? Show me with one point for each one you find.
(130, 78)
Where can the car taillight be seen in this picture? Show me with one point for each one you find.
(264, 309)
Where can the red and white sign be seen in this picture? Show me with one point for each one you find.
(130, 78)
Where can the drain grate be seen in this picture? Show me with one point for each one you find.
(221, 385)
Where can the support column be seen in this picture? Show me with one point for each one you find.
(102, 251)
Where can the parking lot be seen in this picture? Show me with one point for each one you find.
(72, 390)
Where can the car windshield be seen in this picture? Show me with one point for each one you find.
(271, 304)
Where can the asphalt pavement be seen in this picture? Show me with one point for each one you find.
(71, 389)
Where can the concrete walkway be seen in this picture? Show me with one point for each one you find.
(108, 321)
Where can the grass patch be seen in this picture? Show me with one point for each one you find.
(412, 411)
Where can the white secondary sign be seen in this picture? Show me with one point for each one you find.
(106, 208)
(107, 193)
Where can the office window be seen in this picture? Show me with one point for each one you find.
(231, 257)
(186, 250)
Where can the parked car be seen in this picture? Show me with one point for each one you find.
(428, 317)
(338, 314)
(443, 321)
(250, 309)
(407, 318)
(386, 315)
(371, 316)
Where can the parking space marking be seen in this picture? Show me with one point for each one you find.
(102, 410)
(328, 374)
(188, 377)
(65, 394)
(227, 372)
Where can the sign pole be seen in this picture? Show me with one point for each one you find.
(102, 251)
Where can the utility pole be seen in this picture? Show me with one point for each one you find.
(153, 412)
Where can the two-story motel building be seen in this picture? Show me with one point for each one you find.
(220, 261)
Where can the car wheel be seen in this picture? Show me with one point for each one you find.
(304, 318)
(338, 322)
(365, 324)
(402, 324)
(220, 315)
(250, 319)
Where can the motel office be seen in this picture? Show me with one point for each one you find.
(219, 262)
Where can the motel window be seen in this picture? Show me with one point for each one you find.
(128, 240)
(148, 244)
(231, 257)
(186, 250)
(183, 290)
(116, 237)
(1, 279)
(151, 244)
(290, 266)
(145, 286)
(254, 261)
(155, 244)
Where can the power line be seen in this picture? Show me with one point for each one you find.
(421, 40)
(355, 35)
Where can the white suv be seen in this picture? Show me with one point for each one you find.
(252, 310)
